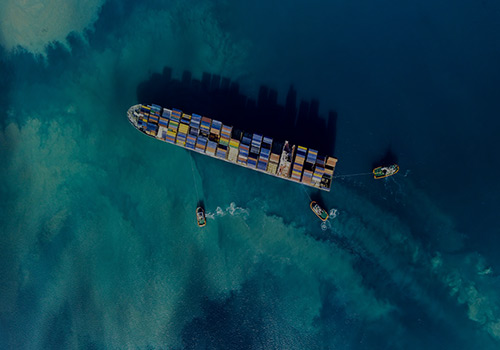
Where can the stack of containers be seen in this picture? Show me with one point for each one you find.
(299, 163)
(234, 146)
(205, 126)
(254, 150)
(186, 118)
(319, 170)
(167, 113)
(183, 130)
(330, 166)
(163, 125)
(326, 180)
(215, 131)
(175, 116)
(265, 152)
(142, 121)
(309, 166)
(166, 116)
(211, 147)
(156, 110)
(194, 129)
(152, 129)
(274, 159)
(244, 149)
(214, 137)
(152, 125)
(252, 160)
(224, 141)
(272, 166)
(201, 141)
(256, 143)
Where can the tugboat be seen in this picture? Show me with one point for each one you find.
(385, 171)
(200, 217)
(320, 212)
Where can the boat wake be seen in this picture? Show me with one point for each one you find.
(232, 210)
(326, 225)
(395, 189)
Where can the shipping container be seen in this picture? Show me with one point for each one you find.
(205, 126)
(162, 133)
(307, 177)
(191, 141)
(215, 127)
(234, 146)
(318, 175)
(181, 140)
(186, 118)
(166, 113)
(201, 143)
(225, 134)
(171, 136)
(211, 147)
(243, 153)
(252, 160)
(330, 165)
(297, 167)
(221, 151)
(163, 122)
(256, 143)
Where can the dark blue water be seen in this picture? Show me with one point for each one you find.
(98, 246)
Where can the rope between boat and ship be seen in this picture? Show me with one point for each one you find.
(307, 194)
(350, 175)
(194, 178)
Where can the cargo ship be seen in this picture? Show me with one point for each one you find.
(250, 150)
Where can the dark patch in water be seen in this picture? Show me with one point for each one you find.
(225, 324)
(6, 79)
(388, 158)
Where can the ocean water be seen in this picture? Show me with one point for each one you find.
(99, 248)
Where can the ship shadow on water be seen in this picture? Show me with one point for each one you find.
(219, 98)
(388, 158)
(318, 198)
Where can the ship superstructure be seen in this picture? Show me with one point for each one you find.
(254, 151)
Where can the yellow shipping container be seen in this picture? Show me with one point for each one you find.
(183, 128)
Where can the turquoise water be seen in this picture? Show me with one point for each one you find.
(99, 247)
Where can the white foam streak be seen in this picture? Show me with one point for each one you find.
(232, 210)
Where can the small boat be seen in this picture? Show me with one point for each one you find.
(320, 212)
(200, 217)
(385, 171)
